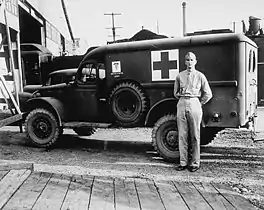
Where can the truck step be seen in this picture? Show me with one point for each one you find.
(85, 124)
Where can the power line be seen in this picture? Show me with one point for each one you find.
(113, 24)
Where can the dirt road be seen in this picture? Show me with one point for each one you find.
(232, 157)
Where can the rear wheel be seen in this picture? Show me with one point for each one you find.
(165, 137)
(42, 128)
(129, 104)
(84, 131)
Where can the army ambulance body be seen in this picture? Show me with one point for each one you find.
(131, 84)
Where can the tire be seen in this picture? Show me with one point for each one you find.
(42, 128)
(165, 138)
(84, 131)
(207, 134)
(129, 104)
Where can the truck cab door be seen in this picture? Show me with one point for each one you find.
(86, 98)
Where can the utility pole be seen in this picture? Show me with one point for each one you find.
(113, 24)
(184, 18)
(67, 19)
(157, 27)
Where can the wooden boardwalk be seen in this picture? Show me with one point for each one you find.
(22, 188)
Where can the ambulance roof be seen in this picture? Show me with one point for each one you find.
(166, 43)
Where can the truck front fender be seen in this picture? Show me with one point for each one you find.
(52, 104)
(159, 109)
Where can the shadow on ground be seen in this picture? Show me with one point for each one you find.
(74, 142)
(77, 142)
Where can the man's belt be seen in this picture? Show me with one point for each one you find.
(189, 97)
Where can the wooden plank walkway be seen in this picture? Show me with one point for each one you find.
(22, 188)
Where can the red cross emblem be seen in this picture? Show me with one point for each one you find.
(165, 64)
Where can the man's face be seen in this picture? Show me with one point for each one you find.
(190, 62)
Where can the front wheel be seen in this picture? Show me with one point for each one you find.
(165, 138)
(42, 128)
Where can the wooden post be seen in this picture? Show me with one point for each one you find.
(10, 94)
(12, 67)
(19, 63)
(6, 100)
(17, 115)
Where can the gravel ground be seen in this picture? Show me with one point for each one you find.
(231, 158)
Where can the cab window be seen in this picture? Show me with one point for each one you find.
(88, 73)
(101, 68)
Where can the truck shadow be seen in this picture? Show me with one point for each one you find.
(144, 147)
(214, 154)
(82, 143)
(75, 142)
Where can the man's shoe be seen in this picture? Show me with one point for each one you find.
(181, 168)
(193, 168)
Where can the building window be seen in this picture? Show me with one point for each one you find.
(55, 35)
(52, 33)
(48, 30)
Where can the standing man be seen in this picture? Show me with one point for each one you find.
(193, 91)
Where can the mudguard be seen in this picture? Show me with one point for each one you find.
(165, 106)
(50, 103)
(161, 108)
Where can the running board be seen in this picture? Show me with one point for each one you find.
(85, 124)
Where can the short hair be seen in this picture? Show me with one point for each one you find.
(190, 55)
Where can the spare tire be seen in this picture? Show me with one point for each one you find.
(84, 131)
(129, 104)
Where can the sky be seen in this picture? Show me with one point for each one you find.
(89, 22)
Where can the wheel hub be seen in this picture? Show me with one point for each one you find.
(172, 138)
(42, 126)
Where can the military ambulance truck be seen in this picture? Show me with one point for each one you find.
(131, 85)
